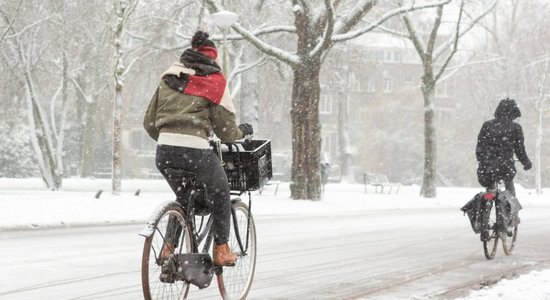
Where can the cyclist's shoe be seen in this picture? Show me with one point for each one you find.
(484, 236)
(223, 256)
(167, 249)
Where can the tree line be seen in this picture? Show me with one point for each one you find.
(73, 73)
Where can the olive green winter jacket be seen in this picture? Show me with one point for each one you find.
(171, 111)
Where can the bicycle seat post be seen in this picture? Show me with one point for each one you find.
(217, 143)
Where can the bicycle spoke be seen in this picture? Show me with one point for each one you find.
(235, 282)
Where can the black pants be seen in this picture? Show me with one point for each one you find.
(489, 172)
(508, 185)
(209, 170)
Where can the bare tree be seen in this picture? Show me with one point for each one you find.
(517, 69)
(26, 51)
(541, 106)
(10, 21)
(316, 29)
(123, 10)
(432, 72)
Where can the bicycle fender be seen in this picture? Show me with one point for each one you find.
(150, 227)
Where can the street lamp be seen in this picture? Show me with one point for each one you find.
(224, 19)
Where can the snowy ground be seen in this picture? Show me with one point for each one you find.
(26, 205)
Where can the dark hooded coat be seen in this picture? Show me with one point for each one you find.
(498, 140)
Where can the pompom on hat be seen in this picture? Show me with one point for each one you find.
(202, 44)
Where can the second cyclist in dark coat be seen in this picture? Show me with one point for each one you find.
(498, 140)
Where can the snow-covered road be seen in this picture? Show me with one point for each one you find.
(377, 254)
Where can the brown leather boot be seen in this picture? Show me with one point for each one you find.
(167, 249)
(224, 257)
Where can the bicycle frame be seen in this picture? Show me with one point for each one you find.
(217, 149)
(179, 239)
(494, 226)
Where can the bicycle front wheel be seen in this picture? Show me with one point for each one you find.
(235, 282)
(159, 268)
(509, 241)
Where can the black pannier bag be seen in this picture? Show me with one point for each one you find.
(508, 207)
(473, 209)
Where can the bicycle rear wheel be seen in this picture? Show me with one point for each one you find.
(509, 242)
(159, 274)
(489, 234)
(235, 282)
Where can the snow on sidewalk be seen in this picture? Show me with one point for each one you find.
(25, 204)
(532, 286)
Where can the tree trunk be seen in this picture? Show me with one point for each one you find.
(346, 173)
(86, 162)
(117, 105)
(60, 135)
(538, 153)
(428, 189)
(117, 139)
(306, 132)
(41, 139)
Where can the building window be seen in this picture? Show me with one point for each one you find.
(370, 86)
(327, 143)
(354, 83)
(372, 56)
(325, 107)
(380, 56)
(397, 56)
(388, 85)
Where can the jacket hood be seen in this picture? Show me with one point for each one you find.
(507, 109)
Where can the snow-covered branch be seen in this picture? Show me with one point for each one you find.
(441, 49)
(327, 35)
(257, 32)
(415, 39)
(343, 25)
(52, 108)
(435, 28)
(10, 23)
(243, 68)
(27, 28)
(455, 44)
(349, 20)
(288, 58)
(304, 9)
(129, 67)
(452, 70)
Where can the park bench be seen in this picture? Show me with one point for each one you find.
(380, 183)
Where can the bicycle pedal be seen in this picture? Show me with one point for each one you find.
(167, 278)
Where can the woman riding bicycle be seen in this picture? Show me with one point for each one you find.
(498, 140)
(191, 104)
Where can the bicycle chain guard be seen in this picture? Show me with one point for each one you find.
(196, 268)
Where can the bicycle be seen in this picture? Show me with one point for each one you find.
(188, 224)
(497, 224)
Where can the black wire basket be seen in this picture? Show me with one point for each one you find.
(248, 167)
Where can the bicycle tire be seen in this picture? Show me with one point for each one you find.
(490, 233)
(152, 285)
(235, 282)
(509, 242)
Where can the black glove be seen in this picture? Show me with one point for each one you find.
(246, 129)
(527, 166)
